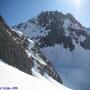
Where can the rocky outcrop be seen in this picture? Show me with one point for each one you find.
(13, 51)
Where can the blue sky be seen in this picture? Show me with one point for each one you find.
(16, 11)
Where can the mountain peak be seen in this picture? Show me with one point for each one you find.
(63, 41)
(53, 27)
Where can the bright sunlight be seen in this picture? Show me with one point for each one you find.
(77, 3)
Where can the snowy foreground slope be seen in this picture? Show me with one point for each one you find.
(18, 80)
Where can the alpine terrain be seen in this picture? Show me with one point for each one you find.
(35, 71)
(59, 40)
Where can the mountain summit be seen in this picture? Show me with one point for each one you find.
(53, 27)
(65, 42)
(17, 50)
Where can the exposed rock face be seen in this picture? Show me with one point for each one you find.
(11, 52)
(13, 47)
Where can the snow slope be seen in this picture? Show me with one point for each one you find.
(18, 80)
(73, 67)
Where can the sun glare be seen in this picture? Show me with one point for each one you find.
(77, 2)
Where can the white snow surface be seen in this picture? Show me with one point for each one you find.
(33, 30)
(73, 67)
(67, 24)
(31, 43)
(28, 53)
(76, 27)
(12, 77)
(18, 32)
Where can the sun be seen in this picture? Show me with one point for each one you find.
(77, 2)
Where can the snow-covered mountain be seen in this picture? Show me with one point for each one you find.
(63, 41)
(19, 51)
